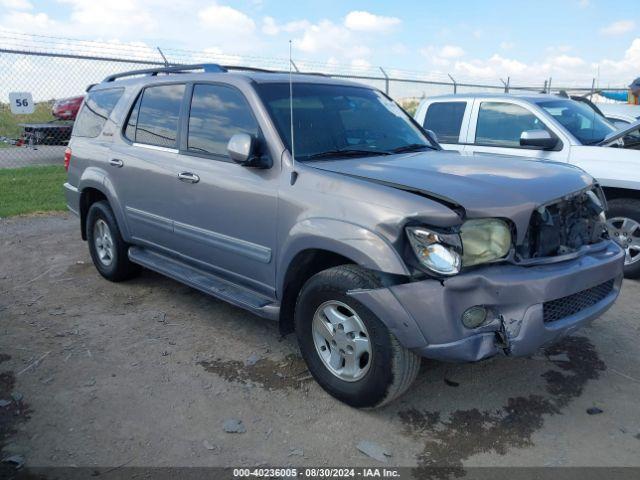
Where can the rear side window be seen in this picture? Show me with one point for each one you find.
(154, 117)
(95, 112)
(217, 113)
(501, 124)
(445, 119)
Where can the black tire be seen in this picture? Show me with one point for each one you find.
(393, 368)
(120, 267)
(627, 208)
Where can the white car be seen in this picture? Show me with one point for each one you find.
(620, 114)
(548, 127)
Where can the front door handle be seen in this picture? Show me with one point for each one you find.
(114, 162)
(188, 177)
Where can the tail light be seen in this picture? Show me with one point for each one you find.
(67, 158)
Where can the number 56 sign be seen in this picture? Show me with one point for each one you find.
(21, 103)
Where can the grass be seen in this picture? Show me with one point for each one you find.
(31, 189)
(9, 123)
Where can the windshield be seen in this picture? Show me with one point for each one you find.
(581, 121)
(339, 121)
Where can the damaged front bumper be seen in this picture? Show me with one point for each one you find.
(530, 306)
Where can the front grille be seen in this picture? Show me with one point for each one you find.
(563, 227)
(571, 304)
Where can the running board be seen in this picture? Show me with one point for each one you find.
(205, 282)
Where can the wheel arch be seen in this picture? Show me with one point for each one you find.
(88, 196)
(303, 266)
(309, 250)
(95, 186)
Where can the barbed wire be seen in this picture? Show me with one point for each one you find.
(135, 51)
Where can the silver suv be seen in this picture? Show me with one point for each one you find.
(321, 204)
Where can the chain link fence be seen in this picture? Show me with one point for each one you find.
(43, 85)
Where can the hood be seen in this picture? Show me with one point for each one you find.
(485, 185)
(612, 137)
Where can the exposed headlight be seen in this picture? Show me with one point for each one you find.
(484, 240)
(432, 251)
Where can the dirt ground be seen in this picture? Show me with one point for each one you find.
(146, 373)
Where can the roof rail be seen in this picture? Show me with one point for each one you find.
(206, 67)
(248, 69)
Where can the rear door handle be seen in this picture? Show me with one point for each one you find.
(114, 162)
(188, 177)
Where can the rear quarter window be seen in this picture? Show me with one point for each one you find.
(95, 112)
(445, 120)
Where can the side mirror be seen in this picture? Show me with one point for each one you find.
(433, 135)
(242, 150)
(538, 139)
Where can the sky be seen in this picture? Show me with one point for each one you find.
(569, 40)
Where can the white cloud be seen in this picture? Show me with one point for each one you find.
(442, 56)
(334, 41)
(91, 19)
(360, 64)
(336, 44)
(567, 61)
(362, 21)
(494, 67)
(625, 68)
(451, 51)
(271, 27)
(324, 36)
(498, 66)
(227, 19)
(618, 28)
(34, 21)
(16, 4)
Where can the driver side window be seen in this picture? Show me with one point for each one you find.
(501, 124)
(217, 113)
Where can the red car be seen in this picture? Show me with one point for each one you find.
(67, 108)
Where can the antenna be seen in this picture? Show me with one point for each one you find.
(293, 143)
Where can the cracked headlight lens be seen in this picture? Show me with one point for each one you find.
(484, 240)
(432, 251)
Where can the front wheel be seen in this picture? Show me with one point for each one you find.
(348, 350)
(624, 227)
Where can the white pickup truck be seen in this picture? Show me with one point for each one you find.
(547, 127)
(620, 114)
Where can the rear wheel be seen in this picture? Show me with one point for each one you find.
(107, 248)
(624, 227)
(348, 350)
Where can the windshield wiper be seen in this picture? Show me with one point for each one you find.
(412, 147)
(347, 152)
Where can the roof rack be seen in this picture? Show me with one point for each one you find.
(206, 67)
(248, 69)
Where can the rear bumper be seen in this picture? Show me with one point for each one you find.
(425, 316)
(72, 195)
